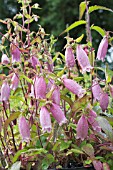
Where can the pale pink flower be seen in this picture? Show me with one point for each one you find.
(102, 49)
(58, 114)
(24, 129)
(15, 54)
(5, 91)
(74, 87)
(82, 128)
(39, 87)
(14, 81)
(111, 90)
(69, 57)
(45, 120)
(56, 95)
(5, 59)
(50, 65)
(83, 59)
(104, 101)
(34, 62)
(96, 90)
(97, 165)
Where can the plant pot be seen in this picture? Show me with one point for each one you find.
(76, 168)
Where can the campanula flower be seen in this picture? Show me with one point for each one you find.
(69, 57)
(5, 59)
(96, 90)
(15, 53)
(104, 101)
(14, 81)
(34, 62)
(5, 91)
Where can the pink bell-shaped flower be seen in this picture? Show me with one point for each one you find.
(45, 120)
(104, 101)
(83, 59)
(111, 90)
(74, 87)
(58, 114)
(24, 129)
(15, 53)
(5, 91)
(34, 62)
(92, 120)
(39, 87)
(5, 59)
(49, 63)
(96, 90)
(97, 165)
(15, 81)
(56, 95)
(69, 57)
(82, 128)
(102, 49)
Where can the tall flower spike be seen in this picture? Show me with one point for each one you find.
(102, 49)
(104, 101)
(82, 128)
(15, 81)
(5, 59)
(74, 87)
(5, 91)
(69, 57)
(24, 129)
(15, 54)
(58, 114)
(96, 90)
(83, 59)
(45, 120)
(39, 87)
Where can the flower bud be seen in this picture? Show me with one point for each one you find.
(74, 87)
(58, 114)
(56, 95)
(96, 90)
(24, 129)
(82, 128)
(69, 57)
(45, 120)
(102, 49)
(5, 91)
(15, 54)
(39, 87)
(83, 59)
(97, 165)
(5, 59)
(92, 120)
(34, 62)
(104, 101)
(15, 82)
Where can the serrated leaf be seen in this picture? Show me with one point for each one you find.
(82, 8)
(96, 7)
(99, 30)
(16, 166)
(74, 25)
(65, 145)
(79, 39)
(12, 117)
(88, 149)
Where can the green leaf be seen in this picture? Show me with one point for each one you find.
(75, 24)
(76, 151)
(49, 159)
(12, 117)
(18, 154)
(16, 166)
(96, 7)
(88, 149)
(26, 78)
(99, 30)
(67, 99)
(79, 39)
(65, 145)
(82, 8)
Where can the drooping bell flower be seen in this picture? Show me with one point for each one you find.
(92, 120)
(69, 57)
(39, 87)
(15, 52)
(5, 91)
(14, 81)
(74, 87)
(104, 101)
(111, 90)
(5, 59)
(102, 49)
(56, 95)
(45, 120)
(97, 165)
(50, 65)
(24, 129)
(58, 114)
(83, 59)
(82, 128)
(96, 90)
(34, 62)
